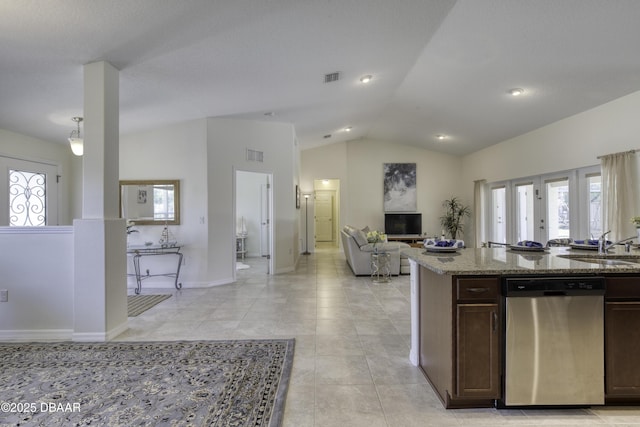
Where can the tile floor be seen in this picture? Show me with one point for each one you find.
(351, 364)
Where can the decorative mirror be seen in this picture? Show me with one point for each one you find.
(150, 202)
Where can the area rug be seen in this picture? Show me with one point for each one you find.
(195, 383)
(138, 304)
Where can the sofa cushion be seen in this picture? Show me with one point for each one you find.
(360, 238)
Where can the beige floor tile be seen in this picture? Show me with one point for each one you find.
(350, 363)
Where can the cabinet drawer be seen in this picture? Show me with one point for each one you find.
(623, 287)
(478, 288)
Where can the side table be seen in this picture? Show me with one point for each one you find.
(380, 267)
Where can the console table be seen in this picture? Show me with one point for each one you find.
(137, 252)
(414, 240)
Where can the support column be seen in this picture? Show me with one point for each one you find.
(100, 288)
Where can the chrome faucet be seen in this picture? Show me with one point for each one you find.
(602, 243)
(603, 248)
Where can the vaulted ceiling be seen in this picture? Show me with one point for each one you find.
(438, 67)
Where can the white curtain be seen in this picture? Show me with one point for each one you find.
(619, 192)
(478, 217)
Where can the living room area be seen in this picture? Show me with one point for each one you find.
(358, 167)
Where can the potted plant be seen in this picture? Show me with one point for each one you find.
(453, 219)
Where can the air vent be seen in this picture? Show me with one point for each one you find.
(255, 155)
(332, 77)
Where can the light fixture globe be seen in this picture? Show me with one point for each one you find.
(75, 141)
(77, 146)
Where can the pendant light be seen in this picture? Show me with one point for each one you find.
(75, 140)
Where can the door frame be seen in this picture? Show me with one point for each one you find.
(334, 232)
(270, 210)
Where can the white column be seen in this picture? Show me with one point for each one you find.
(100, 288)
(414, 352)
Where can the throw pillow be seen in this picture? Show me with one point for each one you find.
(360, 238)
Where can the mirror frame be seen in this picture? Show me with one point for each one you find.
(176, 200)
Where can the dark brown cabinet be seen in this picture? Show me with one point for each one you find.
(622, 339)
(477, 341)
(478, 351)
(460, 330)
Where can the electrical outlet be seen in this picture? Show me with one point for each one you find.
(4, 295)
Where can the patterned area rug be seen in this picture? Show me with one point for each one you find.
(138, 304)
(196, 383)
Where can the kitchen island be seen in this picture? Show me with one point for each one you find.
(458, 317)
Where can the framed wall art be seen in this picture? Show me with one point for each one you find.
(400, 194)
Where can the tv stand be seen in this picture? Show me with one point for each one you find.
(415, 240)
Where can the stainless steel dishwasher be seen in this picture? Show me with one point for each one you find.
(554, 341)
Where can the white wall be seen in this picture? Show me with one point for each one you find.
(567, 144)
(228, 141)
(173, 152)
(37, 270)
(358, 165)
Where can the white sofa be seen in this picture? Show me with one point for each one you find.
(358, 252)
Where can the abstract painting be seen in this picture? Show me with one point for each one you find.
(400, 187)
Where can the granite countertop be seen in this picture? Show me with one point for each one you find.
(492, 261)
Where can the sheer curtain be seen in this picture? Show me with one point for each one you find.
(619, 191)
(478, 217)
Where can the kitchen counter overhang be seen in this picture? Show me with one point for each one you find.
(502, 261)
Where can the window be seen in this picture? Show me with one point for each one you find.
(27, 198)
(562, 205)
(524, 212)
(498, 215)
(594, 183)
(28, 193)
(557, 207)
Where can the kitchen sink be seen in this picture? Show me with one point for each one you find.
(606, 259)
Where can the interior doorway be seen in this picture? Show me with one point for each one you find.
(253, 230)
(327, 212)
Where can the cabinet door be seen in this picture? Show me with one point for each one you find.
(478, 351)
(622, 347)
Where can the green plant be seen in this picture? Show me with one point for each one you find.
(453, 219)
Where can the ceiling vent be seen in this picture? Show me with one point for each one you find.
(255, 155)
(332, 77)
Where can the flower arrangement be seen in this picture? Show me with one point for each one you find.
(376, 237)
(636, 221)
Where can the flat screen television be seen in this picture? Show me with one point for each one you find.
(405, 223)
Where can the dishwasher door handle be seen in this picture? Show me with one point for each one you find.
(555, 293)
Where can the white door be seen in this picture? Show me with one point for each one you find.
(324, 215)
(28, 193)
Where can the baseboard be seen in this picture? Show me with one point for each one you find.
(100, 336)
(36, 335)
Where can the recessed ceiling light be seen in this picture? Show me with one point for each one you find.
(269, 114)
(440, 137)
(348, 129)
(516, 91)
(366, 79)
(327, 136)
